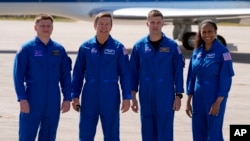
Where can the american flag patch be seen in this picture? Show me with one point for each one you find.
(125, 52)
(227, 56)
(179, 50)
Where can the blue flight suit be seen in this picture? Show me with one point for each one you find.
(100, 67)
(209, 76)
(159, 73)
(38, 70)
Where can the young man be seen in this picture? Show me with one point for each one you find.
(101, 62)
(157, 68)
(39, 67)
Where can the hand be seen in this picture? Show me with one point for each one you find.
(177, 104)
(125, 105)
(134, 106)
(65, 106)
(24, 106)
(189, 110)
(215, 109)
(76, 104)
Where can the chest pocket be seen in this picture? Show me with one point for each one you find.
(207, 64)
(212, 65)
(55, 61)
(147, 55)
(109, 55)
(100, 58)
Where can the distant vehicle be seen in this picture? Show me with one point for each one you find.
(182, 13)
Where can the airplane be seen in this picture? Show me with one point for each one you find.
(182, 13)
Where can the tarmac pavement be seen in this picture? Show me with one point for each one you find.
(72, 34)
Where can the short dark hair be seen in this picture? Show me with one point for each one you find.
(103, 14)
(154, 13)
(40, 17)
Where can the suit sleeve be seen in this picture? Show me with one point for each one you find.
(134, 68)
(19, 69)
(65, 80)
(125, 74)
(226, 73)
(78, 74)
(179, 62)
(190, 79)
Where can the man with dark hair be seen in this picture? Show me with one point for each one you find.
(101, 63)
(157, 69)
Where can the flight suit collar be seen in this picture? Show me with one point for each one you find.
(37, 40)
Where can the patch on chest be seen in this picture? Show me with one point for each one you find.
(210, 55)
(55, 52)
(164, 49)
(38, 53)
(109, 51)
(93, 51)
(147, 49)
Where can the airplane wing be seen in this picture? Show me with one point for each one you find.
(171, 13)
(183, 18)
(181, 13)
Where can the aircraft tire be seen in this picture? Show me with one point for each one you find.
(188, 40)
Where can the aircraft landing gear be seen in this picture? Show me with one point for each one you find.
(188, 40)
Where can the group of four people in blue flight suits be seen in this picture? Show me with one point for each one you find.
(154, 70)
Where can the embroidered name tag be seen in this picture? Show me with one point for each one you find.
(164, 49)
(109, 51)
(211, 55)
(55, 52)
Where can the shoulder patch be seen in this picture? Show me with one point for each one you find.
(125, 51)
(227, 56)
(179, 50)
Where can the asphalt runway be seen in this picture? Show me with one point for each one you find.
(72, 34)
